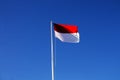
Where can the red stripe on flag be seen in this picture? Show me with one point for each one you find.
(63, 28)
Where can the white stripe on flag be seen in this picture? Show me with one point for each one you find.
(68, 37)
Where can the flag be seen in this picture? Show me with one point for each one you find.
(67, 33)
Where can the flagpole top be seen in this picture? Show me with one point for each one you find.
(51, 21)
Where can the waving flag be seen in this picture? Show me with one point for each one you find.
(67, 33)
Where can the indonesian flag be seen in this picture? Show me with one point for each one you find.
(67, 33)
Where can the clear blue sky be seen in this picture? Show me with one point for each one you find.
(25, 40)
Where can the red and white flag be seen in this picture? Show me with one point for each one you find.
(67, 33)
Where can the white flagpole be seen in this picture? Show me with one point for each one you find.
(52, 52)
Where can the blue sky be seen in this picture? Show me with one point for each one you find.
(25, 40)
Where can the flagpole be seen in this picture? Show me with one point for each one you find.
(52, 52)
